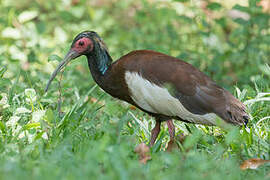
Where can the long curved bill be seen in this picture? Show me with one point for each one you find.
(72, 54)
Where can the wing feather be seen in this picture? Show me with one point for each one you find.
(195, 90)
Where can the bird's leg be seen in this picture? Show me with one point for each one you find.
(171, 129)
(154, 133)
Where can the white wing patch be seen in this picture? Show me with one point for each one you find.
(156, 99)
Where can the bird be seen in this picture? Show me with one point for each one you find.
(163, 86)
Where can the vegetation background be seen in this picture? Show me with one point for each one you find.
(95, 135)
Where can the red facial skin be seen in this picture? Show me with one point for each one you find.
(83, 45)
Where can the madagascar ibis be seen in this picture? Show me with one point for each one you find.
(163, 86)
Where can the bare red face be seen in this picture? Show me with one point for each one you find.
(83, 45)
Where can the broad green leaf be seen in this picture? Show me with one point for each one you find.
(54, 57)
(66, 15)
(27, 16)
(241, 8)
(221, 21)
(240, 21)
(214, 6)
(31, 125)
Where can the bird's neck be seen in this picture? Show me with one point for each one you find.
(99, 62)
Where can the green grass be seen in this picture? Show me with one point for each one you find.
(96, 141)
(94, 135)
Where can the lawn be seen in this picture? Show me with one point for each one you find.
(77, 131)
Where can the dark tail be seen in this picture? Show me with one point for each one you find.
(235, 111)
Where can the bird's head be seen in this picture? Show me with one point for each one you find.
(83, 44)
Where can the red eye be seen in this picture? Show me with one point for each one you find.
(81, 43)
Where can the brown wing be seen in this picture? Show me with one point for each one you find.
(196, 91)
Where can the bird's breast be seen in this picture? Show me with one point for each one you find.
(157, 99)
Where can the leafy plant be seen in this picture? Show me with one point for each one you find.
(94, 136)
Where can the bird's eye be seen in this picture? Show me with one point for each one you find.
(81, 43)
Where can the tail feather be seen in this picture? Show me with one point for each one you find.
(236, 112)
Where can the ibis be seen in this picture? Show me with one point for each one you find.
(163, 86)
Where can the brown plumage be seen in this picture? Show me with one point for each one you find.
(196, 91)
(157, 84)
